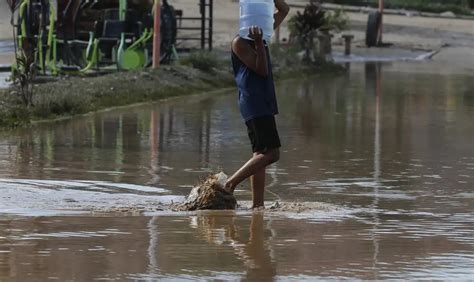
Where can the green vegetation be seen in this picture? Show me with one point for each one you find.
(315, 18)
(25, 66)
(200, 72)
(23, 75)
(202, 60)
(434, 6)
(310, 29)
(337, 20)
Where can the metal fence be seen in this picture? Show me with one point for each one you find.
(203, 33)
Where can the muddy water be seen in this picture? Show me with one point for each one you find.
(389, 152)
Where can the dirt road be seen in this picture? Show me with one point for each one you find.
(5, 29)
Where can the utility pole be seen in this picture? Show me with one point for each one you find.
(157, 34)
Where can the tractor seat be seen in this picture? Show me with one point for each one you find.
(112, 30)
(133, 24)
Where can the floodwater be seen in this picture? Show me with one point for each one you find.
(383, 158)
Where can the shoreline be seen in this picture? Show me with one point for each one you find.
(139, 104)
(75, 96)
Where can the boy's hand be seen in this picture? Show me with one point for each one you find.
(256, 34)
(255, 58)
(281, 4)
(283, 10)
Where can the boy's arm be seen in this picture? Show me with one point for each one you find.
(254, 59)
(280, 15)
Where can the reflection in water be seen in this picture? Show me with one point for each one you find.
(251, 245)
(373, 80)
(155, 164)
(212, 246)
(254, 251)
(259, 253)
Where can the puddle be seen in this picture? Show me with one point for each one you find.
(374, 182)
(52, 197)
(392, 57)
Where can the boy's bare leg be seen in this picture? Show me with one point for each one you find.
(253, 166)
(257, 182)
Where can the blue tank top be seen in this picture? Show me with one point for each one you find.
(256, 93)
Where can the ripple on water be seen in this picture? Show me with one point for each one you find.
(78, 234)
(50, 197)
(456, 266)
(359, 187)
(417, 225)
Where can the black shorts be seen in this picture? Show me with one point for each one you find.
(263, 134)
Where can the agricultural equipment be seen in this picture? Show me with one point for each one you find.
(78, 36)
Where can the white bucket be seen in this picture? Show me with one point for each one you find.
(257, 13)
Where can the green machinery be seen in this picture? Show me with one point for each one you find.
(81, 36)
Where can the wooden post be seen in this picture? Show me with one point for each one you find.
(157, 35)
(211, 23)
(347, 41)
(381, 10)
(202, 7)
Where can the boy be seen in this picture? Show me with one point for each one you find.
(258, 105)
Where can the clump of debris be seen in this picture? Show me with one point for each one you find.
(209, 194)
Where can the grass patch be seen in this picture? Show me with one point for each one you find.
(202, 60)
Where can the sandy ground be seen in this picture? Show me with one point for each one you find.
(403, 31)
(5, 57)
(453, 38)
(5, 29)
(441, 24)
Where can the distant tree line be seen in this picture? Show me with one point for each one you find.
(435, 6)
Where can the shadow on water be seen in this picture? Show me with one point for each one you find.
(392, 144)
